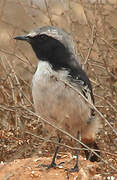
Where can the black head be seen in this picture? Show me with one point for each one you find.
(50, 49)
(51, 46)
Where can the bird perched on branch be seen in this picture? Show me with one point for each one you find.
(54, 99)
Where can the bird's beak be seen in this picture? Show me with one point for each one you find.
(23, 38)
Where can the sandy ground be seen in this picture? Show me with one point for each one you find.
(23, 169)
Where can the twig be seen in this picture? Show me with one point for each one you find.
(93, 33)
(12, 54)
(67, 146)
(17, 81)
(49, 16)
(10, 81)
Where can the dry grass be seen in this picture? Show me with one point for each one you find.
(94, 29)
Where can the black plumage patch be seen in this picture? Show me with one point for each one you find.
(52, 50)
(80, 77)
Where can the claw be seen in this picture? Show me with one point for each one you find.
(75, 169)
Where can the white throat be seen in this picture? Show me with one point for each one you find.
(45, 72)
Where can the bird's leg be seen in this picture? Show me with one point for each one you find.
(53, 164)
(76, 167)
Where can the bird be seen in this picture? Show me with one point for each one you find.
(54, 100)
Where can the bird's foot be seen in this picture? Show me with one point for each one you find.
(74, 169)
(48, 166)
(52, 165)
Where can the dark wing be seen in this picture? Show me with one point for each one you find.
(78, 76)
